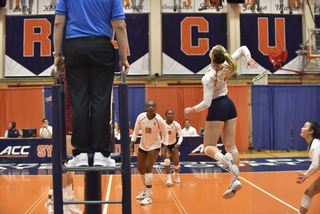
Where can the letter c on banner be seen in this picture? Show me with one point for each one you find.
(186, 36)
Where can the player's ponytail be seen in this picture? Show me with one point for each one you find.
(220, 56)
(232, 64)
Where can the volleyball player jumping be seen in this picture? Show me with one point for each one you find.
(222, 114)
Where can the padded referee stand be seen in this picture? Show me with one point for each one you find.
(93, 202)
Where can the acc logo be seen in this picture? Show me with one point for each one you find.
(200, 150)
(15, 151)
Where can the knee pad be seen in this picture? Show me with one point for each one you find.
(177, 167)
(149, 178)
(232, 149)
(167, 162)
(306, 202)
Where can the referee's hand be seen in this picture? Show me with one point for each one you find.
(124, 63)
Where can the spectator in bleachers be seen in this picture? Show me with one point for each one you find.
(188, 130)
(46, 130)
(12, 132)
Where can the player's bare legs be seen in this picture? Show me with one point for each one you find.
(308, 195)
(176, 164)
(145, 162)
(229, 138)
(212, 132)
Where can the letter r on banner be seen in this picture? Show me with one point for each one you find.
(30, 37)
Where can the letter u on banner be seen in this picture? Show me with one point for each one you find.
(280, 39)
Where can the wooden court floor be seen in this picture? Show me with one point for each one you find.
(199, 192)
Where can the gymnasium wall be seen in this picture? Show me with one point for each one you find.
(22, 105)
(278, 111)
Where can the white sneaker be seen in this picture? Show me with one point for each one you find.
(169, 181)
(74, 207)
(227, 161)
(100, 160)
(147, 200)
(234, 187)
(176, 178)
(79, 160)
(49, 206)
(141, 195)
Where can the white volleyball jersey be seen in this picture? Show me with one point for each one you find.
(314, 154)
(151, 130)
(214, 84)
(173, 129)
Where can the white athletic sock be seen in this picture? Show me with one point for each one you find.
(148, 192)
(233, 177)
(70, 193)
(50, 194)
(218, 156)
(64, 193)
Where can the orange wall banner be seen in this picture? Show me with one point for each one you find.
(22, 105)
(177, 98)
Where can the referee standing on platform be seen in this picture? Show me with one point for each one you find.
(90, 64)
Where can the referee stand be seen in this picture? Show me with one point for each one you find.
(93, 202)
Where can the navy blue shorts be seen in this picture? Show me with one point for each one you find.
(221, 109)
(170, 147)
(143, 151)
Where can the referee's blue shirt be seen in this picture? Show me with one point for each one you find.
(90, 17)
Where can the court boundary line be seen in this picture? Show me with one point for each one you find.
(171, 191)
(37, 202)
(105, 208)
(272, 196)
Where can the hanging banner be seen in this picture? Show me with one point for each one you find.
(21, 7)
(29, 45)
(316, 7)
(177, 6)
(271, 34)
(272, 6)
(210, 6)
(187, 40)
(47, 6)
(136, 6)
